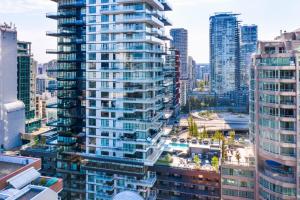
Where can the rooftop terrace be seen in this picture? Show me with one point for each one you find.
(246, 154)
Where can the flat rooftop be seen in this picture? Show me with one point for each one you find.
(10, 164)
(32, 192)
(181, 155)
(8, 168)
(246, 152)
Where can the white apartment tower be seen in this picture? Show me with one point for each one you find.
(125, 43)
(12, 111)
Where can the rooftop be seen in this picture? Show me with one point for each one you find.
(8, 168)
(11, 164)
(213, 121)
(181, 154)
(246, 152)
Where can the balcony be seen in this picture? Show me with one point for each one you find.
(167, 5)
(149, 182)
(71, 4)
(71, 23)
(147, 18)
(166, 21)
(279, 176)
(154, 3)
(57, 15)
(60, 33)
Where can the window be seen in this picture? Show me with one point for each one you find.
(92, 9)
(104, 18)
(104, 142)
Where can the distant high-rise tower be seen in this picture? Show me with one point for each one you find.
(27, 85)
(274, 114)
(12, 111)
(248, 43)
(180, 42)
(224, 53)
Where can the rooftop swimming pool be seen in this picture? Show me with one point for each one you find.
(179, 145)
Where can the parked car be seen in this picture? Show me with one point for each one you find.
(181, 140)
(194, 141)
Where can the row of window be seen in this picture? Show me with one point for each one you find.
(277, 188)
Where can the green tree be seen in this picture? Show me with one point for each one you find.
(223, 151)
(197, 160)
(215, 162)
(190, 125)
(218, 136)
(238, 156)
(231, 137)
(195, 132)
(205, 133)
(168, 158)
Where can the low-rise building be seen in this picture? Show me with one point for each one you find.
(21, 180)
(238, 173)
(180, 176)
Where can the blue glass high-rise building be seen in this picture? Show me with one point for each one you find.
(248, 43)
(180, 42)
(224, 54)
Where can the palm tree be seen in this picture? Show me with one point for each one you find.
(195, 130)
(197, 160)
(231, 137)
(190, 124)
(238, 156)
(215, 162)
(218, 136)
(204, 132)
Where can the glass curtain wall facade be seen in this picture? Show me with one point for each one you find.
(171, 83)
(70, 74)
(26, 85)
(125, 77)
(248, 42)
(274, 113)
(224, 53)
(180, 42)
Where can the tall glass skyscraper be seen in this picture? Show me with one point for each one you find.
(248, 43)
(71, 93)
(180, 42)
(27, 85)
(224, 53)
(274, 114)
(110, 76)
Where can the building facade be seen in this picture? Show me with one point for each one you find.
(70, 71)
(180, 42)
(125, 74)
(248, 43)
(27, 85)
(274, 113)
(12, 113)
(224, 54)
(238, 175)
(119, 46)
(172, 84)
(192, 73)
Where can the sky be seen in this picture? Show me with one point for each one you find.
(271, 16)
